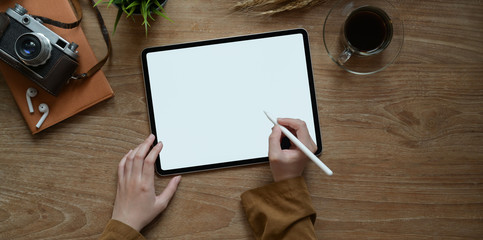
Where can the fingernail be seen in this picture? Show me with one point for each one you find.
(177, 178)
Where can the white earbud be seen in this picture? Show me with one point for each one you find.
(43, 108)
(31, 92)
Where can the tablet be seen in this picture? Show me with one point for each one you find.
(206, 100)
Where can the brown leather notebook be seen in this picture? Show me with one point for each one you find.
(76, 96)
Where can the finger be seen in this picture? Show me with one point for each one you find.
(121, 166)
(295, 124)
(162, 200)
(274, 141)
(129, 163)
(148, 168)
(141, 154)
(301, 131)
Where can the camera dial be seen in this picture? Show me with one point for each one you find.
(19, 9)
(33, 49)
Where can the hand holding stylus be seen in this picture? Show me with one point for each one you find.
(302, 148)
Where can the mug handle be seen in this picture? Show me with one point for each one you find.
(344, 56)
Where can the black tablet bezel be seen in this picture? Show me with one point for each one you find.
(240, 162)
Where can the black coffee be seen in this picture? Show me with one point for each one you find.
(368, 29)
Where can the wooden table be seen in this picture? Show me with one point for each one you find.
(405, 144)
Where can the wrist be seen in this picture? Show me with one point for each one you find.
(282, 177)
(128, 223)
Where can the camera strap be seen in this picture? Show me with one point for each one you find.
(105, 34)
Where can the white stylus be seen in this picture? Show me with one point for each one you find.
(301, 146)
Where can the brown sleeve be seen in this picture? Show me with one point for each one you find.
(116, 230)
(281, 210)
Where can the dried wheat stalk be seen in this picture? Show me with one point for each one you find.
(270, 7)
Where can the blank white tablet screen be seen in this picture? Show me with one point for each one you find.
(208, 101)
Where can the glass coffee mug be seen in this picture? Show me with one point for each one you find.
(363, 36)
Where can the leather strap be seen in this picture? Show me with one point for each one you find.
(102, 25)
(52, 22)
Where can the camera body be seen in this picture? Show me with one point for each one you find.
(36, 51)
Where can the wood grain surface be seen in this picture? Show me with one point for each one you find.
(405, 144)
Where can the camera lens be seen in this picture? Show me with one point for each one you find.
(29, 47)
(33, 49)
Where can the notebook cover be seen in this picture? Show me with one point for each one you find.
(76, 96)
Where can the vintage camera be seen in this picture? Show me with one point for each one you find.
(34, 50)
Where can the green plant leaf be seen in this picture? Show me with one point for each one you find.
(118, 16)
(97, 3)
(146, 8)
(133, 6)
(110, 2)
(159, 13)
